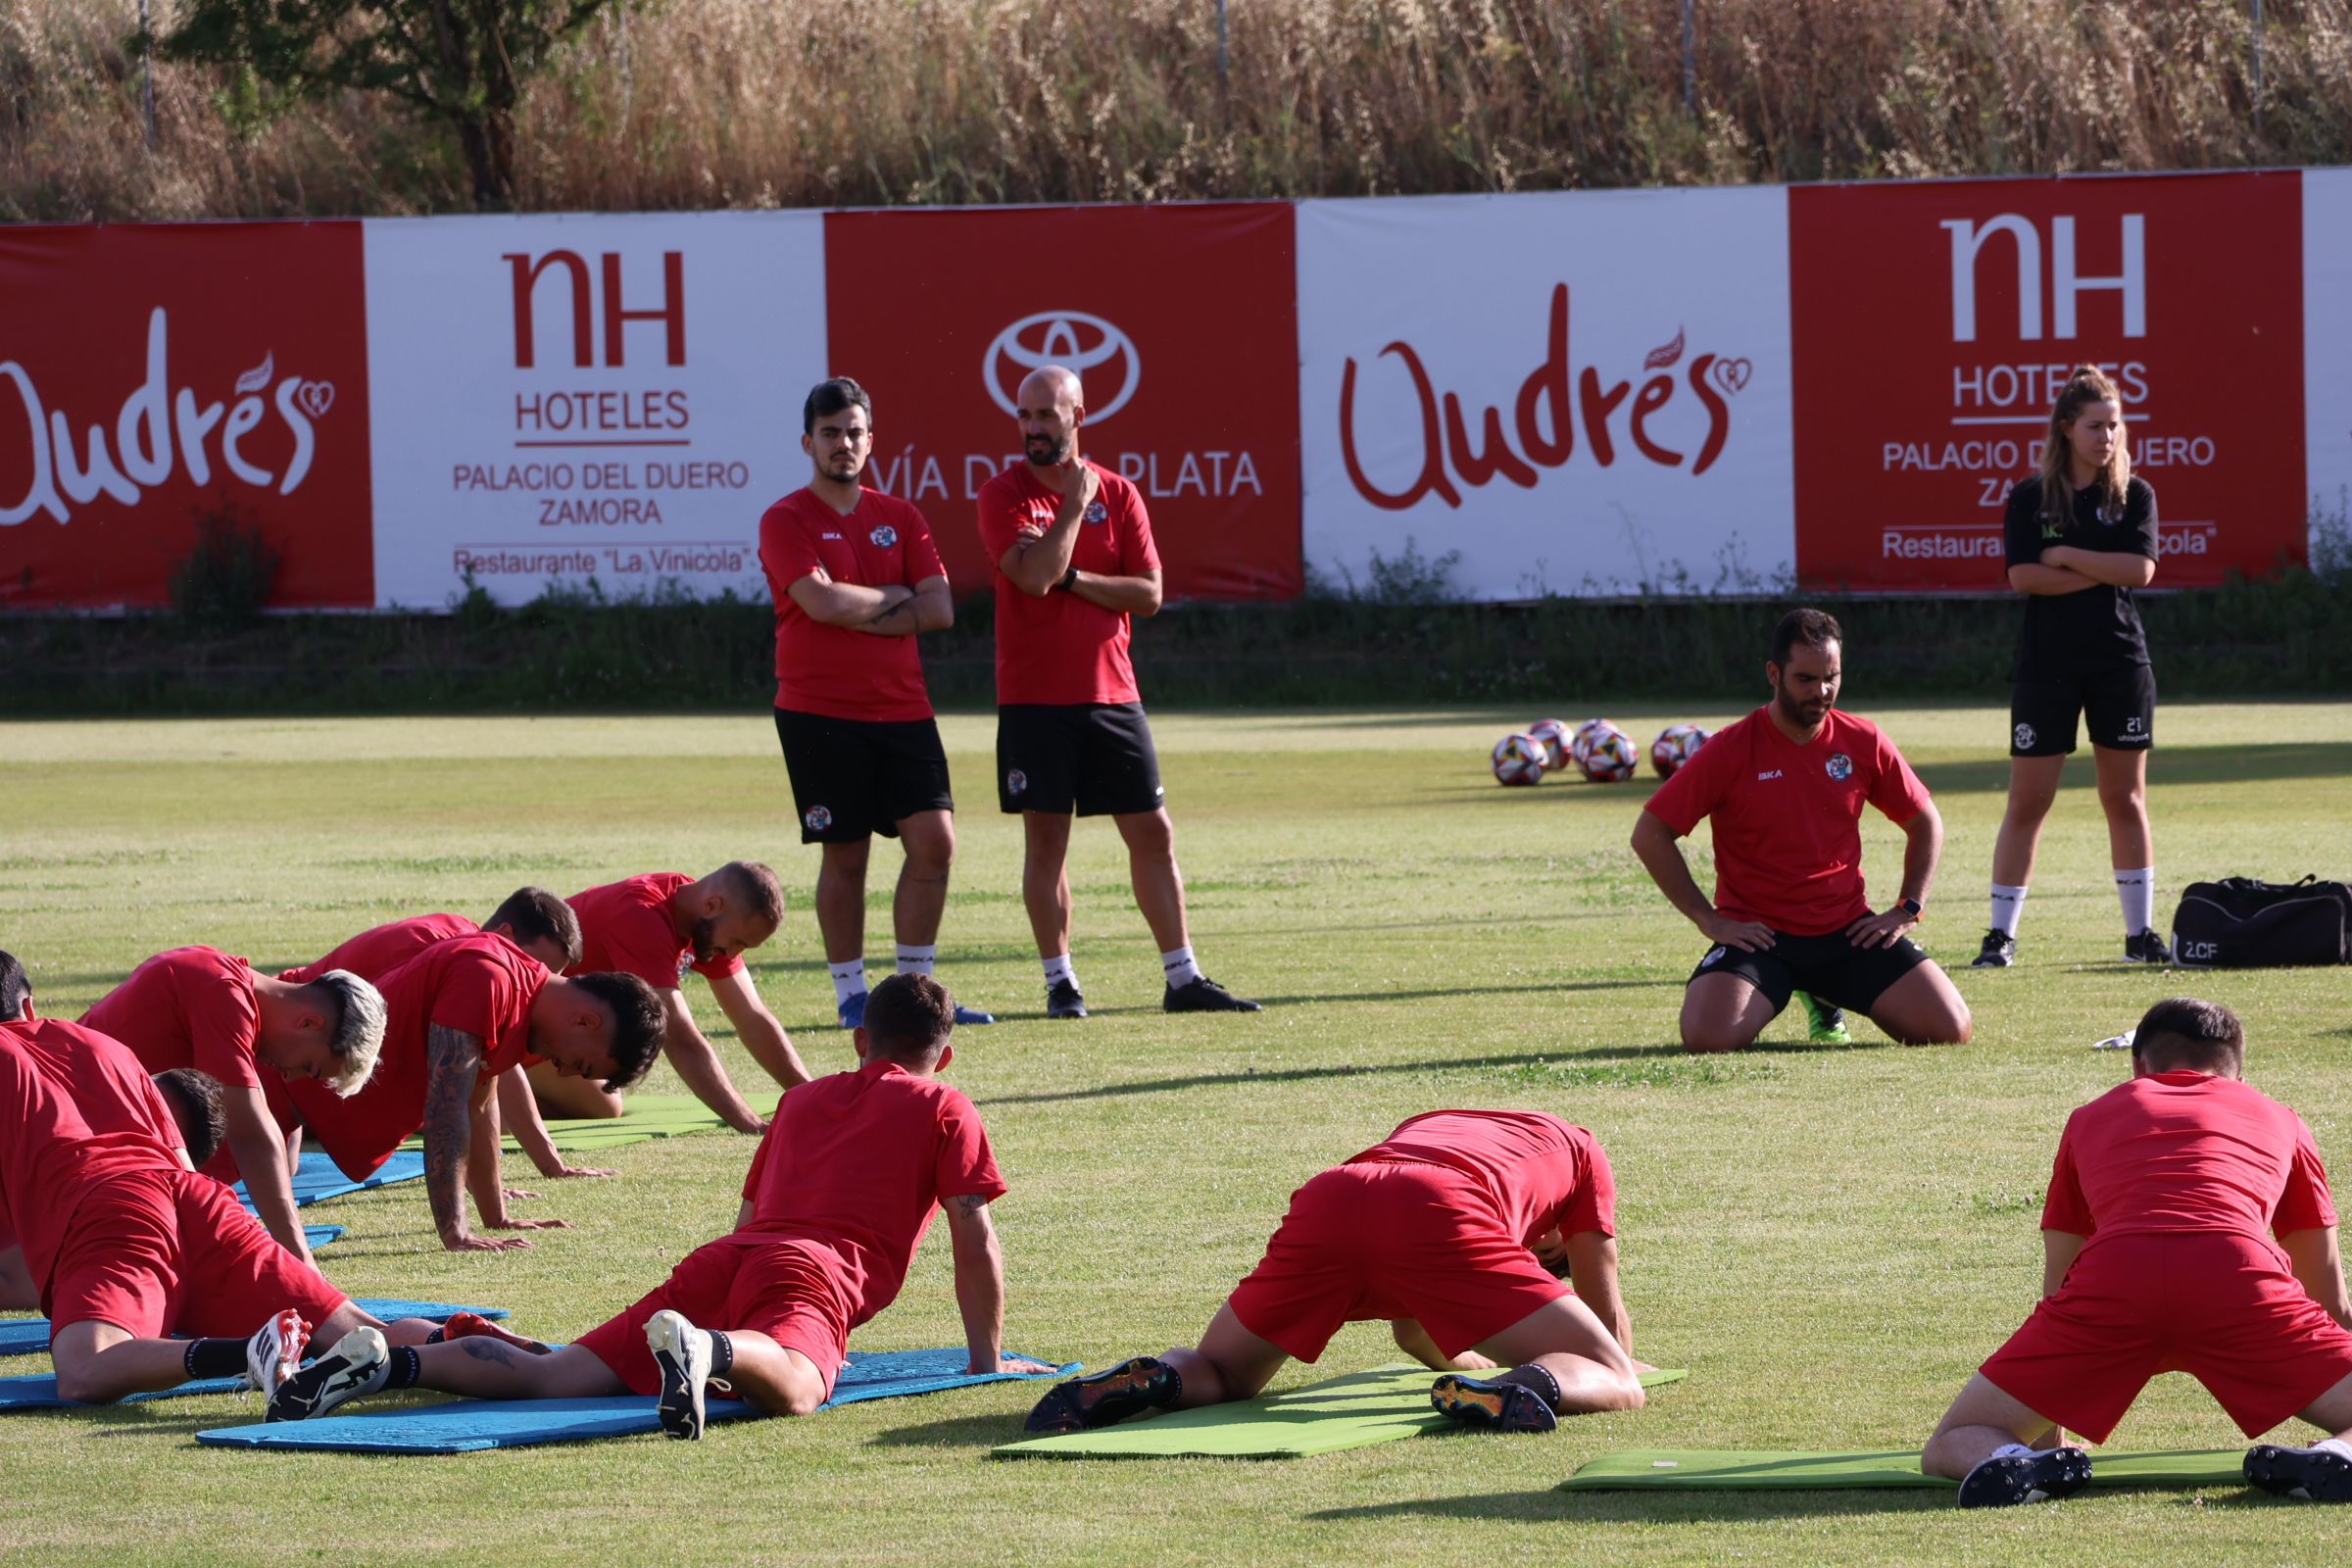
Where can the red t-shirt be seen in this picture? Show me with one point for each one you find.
(857, 1163)
(1060, 649)
(1786, 817)
(77, 1108)
(482, 985)
(834, 671)
(2186, 1151)
(378, 950)
(1541, 1172)
(188, 1007)
(625, 929)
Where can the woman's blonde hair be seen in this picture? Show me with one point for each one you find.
(2088, 384)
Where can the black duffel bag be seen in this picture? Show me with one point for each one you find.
(2241, 923)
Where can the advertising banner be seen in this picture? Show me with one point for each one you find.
(1178, 319)
(153, 375)
(1935, 322)
(1583, 393)
(563, 399)
(2328, 346)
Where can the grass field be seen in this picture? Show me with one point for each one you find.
(1829, 1239)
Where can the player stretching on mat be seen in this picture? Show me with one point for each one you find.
(836, 1201)
(2159, 1256)
(2081, 535)
(535, 920)
(124, 1242)
(656, 927)
(1784, 789)
(856, 577)
(1457, 1229)
(1074, 562)
(199, 1007)
(458, 1014)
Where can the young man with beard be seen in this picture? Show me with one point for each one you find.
(1784, 789)
(856, 577)
(1074, 562)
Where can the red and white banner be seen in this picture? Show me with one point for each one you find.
(151, 376)
(567, 398)
(1177, 319)
(2328, 346)
(1935, 325)
(1582, 393)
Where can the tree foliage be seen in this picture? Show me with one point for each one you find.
(462, 62)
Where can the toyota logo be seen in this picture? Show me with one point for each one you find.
(1070, 338)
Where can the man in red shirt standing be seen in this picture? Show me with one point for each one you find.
(836, 1201)
(658, 927)
(2189, 1228)
(1074, 561)
(1461, 1228)
(1784, 787)
(200, 1007)
(458, 1014)
(855, 577)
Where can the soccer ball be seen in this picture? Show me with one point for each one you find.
(1582, 740)
(1674, 747)
(1608, 755)
(1552, 735)
(1518, 760)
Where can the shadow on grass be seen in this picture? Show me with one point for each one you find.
(958, 1432)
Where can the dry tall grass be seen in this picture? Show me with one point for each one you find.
(732, 103)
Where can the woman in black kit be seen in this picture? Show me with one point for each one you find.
(2081, 535)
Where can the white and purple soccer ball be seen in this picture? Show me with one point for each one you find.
(1608, 755)
(1552, 735)
(1582, 738)
(1518, 760)
(1675, 745)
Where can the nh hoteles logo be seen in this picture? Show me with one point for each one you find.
(1102, 354)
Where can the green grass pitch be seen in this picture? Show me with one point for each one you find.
(1830, 1240)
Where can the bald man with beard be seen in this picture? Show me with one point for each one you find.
(1074, 564)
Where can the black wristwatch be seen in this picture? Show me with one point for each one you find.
(1069, 580)
(1910, 906)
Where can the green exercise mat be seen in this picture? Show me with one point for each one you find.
(1730, 1470)
(1351, 1412)
(647, 1116)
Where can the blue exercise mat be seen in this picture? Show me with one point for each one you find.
(467, 1426)
(316, 1179)
(29, 1335)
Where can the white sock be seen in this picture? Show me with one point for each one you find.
(916, 960)
(848, 979)
(2012, 1450)
(2008, 903)
(1058, 970)
(2137, 890)
(1179, 966)
(2335, 1446)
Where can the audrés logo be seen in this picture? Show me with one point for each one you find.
(1102, 354)
(1552, 402)
(157, 430)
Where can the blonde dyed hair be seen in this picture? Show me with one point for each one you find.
(2088, 384)
(359, 1033)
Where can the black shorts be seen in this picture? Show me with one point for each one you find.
(852, 777)
(1830, 968)
(1094, 758)
(2118, 702)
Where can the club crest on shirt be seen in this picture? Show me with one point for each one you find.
(1095, 512)
(817, 819)
(2023, 736)
(1016, 781)
(1839, 767)
(884, 536)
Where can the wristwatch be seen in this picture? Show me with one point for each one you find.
(1910, 906)
(1069, 580)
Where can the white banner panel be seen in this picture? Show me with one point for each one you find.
(1583, 393)
(564, 397)
(2327, 344)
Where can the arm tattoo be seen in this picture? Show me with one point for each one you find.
(972, 1203)
(453, 1058)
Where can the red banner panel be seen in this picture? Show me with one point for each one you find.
(1934, 323)
(150, 374)
(1181, 320)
